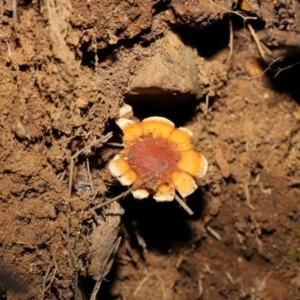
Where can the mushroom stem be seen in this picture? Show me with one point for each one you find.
(184, 205)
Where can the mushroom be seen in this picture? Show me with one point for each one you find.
(157, 159)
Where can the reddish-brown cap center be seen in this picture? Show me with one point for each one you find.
(153, 157)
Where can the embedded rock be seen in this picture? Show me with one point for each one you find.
(171, 73)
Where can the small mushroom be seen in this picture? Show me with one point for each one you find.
(158, 158)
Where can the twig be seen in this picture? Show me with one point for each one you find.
(140, 285)
(106, 267)
(48, 279)
(67, 240)
(68, 237)
(96, 289)
(179, 261)
(15, 14)
(61, 175)
(260, 49)
(115, 144)
(248, 197)
(111, 200)
(288, 67)
(87, 148)
(96, 143)
(206, 104)
(71, 178)
(213, 233)
(184, 205)
(78, 295)
(207, 269)
(89, 173)
(162, 285)
(230, 45)
(228, 275)
(177, 198)
(200, 288)
(136, 185)
(280, 58)
(262, 285)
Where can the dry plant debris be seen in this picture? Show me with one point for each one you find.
(160, 156)
(60, 84)
(104, 244)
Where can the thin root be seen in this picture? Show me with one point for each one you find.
(140, 285)
(89, 173)
(162, 286)
(15, 14)
(97, 143)
(230, 45)
(213, 233)
(229, 277)
(184, 205)
(258, 44)
(200, 288)
(248, 197)
(48, 279)
(280, 58)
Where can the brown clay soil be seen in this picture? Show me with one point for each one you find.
(67, 66)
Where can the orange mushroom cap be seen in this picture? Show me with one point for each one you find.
(158, 158)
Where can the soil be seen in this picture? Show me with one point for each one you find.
(67, 67)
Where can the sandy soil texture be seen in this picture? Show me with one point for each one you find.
(226, 70)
